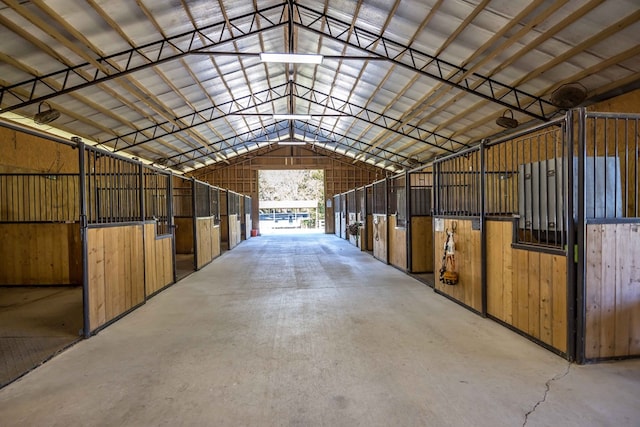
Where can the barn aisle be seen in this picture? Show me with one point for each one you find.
(306, 330)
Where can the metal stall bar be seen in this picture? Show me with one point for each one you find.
(84, 226)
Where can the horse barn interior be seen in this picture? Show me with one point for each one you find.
(492, 142)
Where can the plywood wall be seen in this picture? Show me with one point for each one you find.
(421, 244)
(526, 289)
(379, 232)
(24, 153)
(397, 244)
(158, 260)
(612, 296)
(468, 255)
(40, 254)
(116, 272)
(184, 235)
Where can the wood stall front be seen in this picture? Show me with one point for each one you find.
(368, 194)
(457, 217)
(248, 222)
(183, 220)
(361, 215)
(526, 212)
(526, 289)
(112, 204)
(115, 271)
(379, 227)
(397, 221)
(609, 276)
(234, 214)
(468, 260)
(351, 216)
(207, 231)
(421, 222)
(159, 257)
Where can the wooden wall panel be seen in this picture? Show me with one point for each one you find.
(468, 261)
(397, 245)
(158, 264)
(40, 254)
(184, 235)
(380, 248)
(422, 250)
(204, 232)
(612, 295)
(116, 272)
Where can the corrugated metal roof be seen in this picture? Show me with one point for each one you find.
(402, 81)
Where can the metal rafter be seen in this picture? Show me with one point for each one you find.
(199, 117)
(256, 137)
(235, 106)
(423, 63)
(141, 57)
(370, 116)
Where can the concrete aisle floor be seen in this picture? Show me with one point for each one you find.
(309, 331)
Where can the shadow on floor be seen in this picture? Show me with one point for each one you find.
(35, 324)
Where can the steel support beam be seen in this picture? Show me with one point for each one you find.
(423, 63)
(142, 57)
(255, 137)
(236, 106)
(197, 118)
(375, 118)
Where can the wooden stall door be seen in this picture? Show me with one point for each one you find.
(421, 244)
(397, 244)
(204, 231)
(158, 264)
(468, 254)
(115, 271)
(612, 298)
(380, 247)
(526, 289)
(234, 231)
(351, 220)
